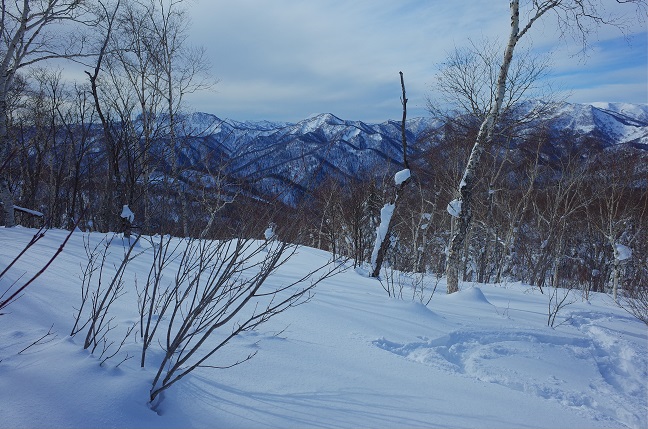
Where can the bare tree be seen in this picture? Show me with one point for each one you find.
(27, 38)
(112, 134)
(329, 231)
(37, 133)
(78, 119)
(181, 70)
(143, 73)
(579, 16)
(134, 75)
(466, 82)
(402, 178)
(619, 209)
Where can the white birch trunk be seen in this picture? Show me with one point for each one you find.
(11, 57)
(484, 137)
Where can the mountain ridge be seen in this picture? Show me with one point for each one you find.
(628, 114)
(287, 158)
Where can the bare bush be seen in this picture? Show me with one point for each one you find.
(13, 291)
(216, 295)
(635, 302)
(97, 297)
(559, 298)
(414, 286)
(199, 294)
(157, 293)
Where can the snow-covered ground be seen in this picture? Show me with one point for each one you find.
(351, 357)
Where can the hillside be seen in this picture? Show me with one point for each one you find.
(288, 158)
(351, 357)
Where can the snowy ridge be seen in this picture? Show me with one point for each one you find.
(612, 123)
(286, 158)
(283, 158)
(638, 112)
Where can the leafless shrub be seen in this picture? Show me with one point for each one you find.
(217, 294)
(559, 298)
(403, 285)
(101, 296)
(423, 289)
(157, 294)
(108, 351)
(47, 337)
(635, 302)
(88, 271)
(13, 291)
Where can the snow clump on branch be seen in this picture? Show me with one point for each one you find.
(402, 176)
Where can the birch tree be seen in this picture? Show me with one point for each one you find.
(619, 209)
(27, 37)
(182, 69)
(144, 70)
(466, 82)
(577, 16)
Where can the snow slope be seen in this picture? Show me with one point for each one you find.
(351, 357)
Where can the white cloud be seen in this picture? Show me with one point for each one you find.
(285, 59)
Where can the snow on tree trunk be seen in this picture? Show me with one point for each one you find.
(402, 176)
(484, 137)
(621, 253)
(382, 237)
(128, 217)
(270, 233)
(401, 179)
(35, 213)
(127, 214)
(454, 208)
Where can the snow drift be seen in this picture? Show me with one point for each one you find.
(351, 357)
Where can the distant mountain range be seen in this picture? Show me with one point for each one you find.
(287, 158)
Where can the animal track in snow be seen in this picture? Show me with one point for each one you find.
(533, 362)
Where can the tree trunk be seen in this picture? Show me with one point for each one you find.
(616, 271)
(5, 194)
(383, 246)
(484, 137)
(7, 203)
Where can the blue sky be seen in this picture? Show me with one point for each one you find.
(287, 59)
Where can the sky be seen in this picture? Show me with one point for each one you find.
(285, 60)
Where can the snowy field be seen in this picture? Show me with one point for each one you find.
(351, 357)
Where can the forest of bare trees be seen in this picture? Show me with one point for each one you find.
(87, 152)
